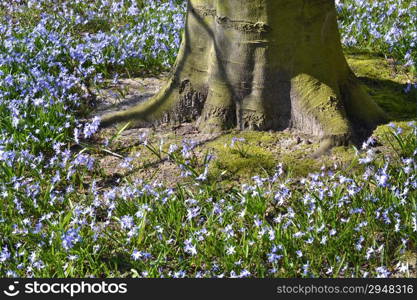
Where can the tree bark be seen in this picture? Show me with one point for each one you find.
(261, 64)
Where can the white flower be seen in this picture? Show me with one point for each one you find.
(402, 267)
(230, 250)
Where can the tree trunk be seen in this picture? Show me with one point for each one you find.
(261, 64)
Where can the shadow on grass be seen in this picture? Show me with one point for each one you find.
(115, 178)
(392, 98)
(385, 81)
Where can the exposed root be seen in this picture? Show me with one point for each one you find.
(216, 119)
(360, 108)
(234, 71)
(171, 105)
(254, 120)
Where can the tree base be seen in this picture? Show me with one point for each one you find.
(281, 67)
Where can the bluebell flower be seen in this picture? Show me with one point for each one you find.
(126, 222)
(70, 238)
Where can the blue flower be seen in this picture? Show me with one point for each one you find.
(70, 238)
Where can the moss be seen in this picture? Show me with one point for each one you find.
(245, 159)
(262, 137)
(237, 167)
(260, 153)
(298, 165)
(343, 154)
(264, 150)
(384, 131)
(385, 83)
(320, 104)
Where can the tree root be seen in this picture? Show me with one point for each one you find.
(262, 76)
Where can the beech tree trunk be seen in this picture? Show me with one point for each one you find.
(262, 65)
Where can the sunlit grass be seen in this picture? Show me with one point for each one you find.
(60, 216)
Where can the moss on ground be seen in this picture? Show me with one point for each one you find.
(261, 152)
(385, 82)
(245, 158)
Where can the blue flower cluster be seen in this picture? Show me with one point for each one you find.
(385, 26)
(52, 55)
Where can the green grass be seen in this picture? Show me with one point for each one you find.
(233, 230)
(231, 210)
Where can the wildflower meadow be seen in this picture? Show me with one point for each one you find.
(60, 216)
